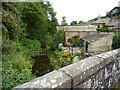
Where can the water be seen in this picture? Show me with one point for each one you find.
(41, 65)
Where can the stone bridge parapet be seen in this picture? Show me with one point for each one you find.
(99, 71)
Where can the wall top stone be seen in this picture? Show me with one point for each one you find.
(53, 79)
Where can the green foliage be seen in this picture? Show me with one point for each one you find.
(73, 23)
(63, 22)
(36, 20)
(49, 42)
(114, 12)
(116, 41)
(92, 20)
(17, 65)
(76, 59)
(52, 21)
(105, 28)
(59, 37)
(81, 54)
(57, 59)
(27, 28)
(74, 40)
(41, 21)
(11, 19)
(30, 46)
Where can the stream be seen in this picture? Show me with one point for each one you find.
(41, 65)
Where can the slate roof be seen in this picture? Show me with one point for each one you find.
(93, 37)
(115, 23)
(80, 28)
(77, 28)
(103, 20)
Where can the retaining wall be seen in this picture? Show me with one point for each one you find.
(100, 71)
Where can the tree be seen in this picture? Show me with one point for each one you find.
(26, 28)
(80, 22)
(73, 23)
(114, 12)
(63, 22)
(16, 62)
(116, 41)
(52, 21)
(41, 21)
(11, 19)
(59, 37)
(36, 19)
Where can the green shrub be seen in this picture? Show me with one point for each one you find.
(116, 41)
(30, 47)
(74, 40)
(16, 69)
(58, 60)
(17, 62)
(59, 37)
(105, 28)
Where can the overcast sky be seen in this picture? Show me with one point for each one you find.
(82, 9)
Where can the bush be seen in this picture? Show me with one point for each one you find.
(105, 28)
(30, 47)
(17, 62)
(16, 69)
(116, 41)
(60, 59)
(59, 37)
(74, 40)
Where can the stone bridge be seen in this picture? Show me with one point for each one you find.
(99, 71)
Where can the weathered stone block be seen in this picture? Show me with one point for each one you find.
(101, 75)
(118, 62)
(108, 56)
(82, 69)
(55, 79)
(109, 82)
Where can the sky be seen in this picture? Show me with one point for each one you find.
(76, 10)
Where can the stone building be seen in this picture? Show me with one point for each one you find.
(115, 24)
(112, 24)
(99, 22)
(81, 31)
(94, 41)
(97, 43)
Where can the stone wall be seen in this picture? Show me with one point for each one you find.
(102, 44)
(100, 71)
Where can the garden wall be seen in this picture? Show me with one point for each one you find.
(100, 71)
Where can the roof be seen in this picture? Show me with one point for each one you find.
(93, 37)
(115, 23)
(80, 28)
(102, 20)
